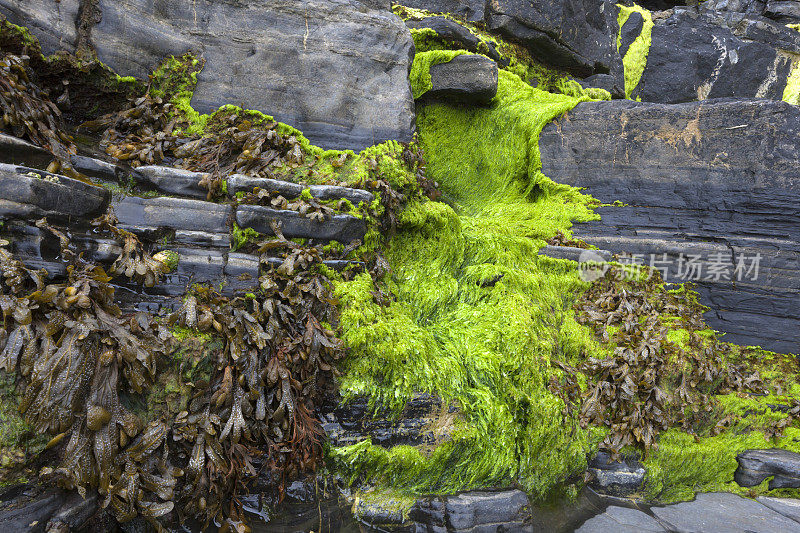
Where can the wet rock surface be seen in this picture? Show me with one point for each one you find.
(278, 58)
(723, 513)
(757, 465)
(690, 185)
(470, 79)
(621, 520)
(615, 477)
(454, 32)
(694, 56)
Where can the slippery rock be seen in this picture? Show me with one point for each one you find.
(29, 193)
(336, 70)
(457, 34)
(240, 183)
(151, 215)
(723, 513)
(342, 228)
(615, 478)
(690, 187)
(171, 181)
(15, 151)
(474, 511)
(576, 35)
(472, 10)
(470, 79)
(621, 520)
(694, 56)
(757, 465)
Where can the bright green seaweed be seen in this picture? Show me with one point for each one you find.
(635, 59)
(478, 314)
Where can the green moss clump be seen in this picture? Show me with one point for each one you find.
(635, 59)
(473, 320)
(242, 236)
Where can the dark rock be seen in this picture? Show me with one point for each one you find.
(608, 82)
(338, 71)
(385, 513)
(694, 56)
(456, 33)
(690, 185)
(30, 513)
(621, 520)
(615, 478)
(471, 10)
(27, 193)
(75, 512)
(763, 30)
(474, 511)
(95, 168)
(630, 31)
(342, 228)
(171, 181)
(723, 513)
(470, 79)
(150, 216)
(240, 183)
(576, 35)
(757, 465)
(788, 507)
(353, 422)
(786, 11)
(15, 151)
(750, 7)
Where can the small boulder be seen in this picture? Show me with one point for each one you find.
(15, 151)
(757, 465)
(454, 32)
(470, 79)
(615, 478)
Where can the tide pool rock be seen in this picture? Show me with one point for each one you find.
(757, 465)
(335, 69)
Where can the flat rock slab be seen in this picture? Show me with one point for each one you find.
(152, 214)
(757, 465)
(240, 183)
(15, 151)
(689, 184)
(171, 181)
(335, 69)
(342, 228)
(723, 513)
(470, 79)
(621, 520)
(27, 193)
(788, 507)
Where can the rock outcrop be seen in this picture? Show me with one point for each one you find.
(336, 70)
(469, 79)
(713, 185)
(755, 466)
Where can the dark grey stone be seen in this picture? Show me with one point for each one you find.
(148, 215)
(336, 70)
(608, 82)
(471, 10)
(15, 151)
(788, 507)
(474, 511)
(757, 465)
(240, 183)
(470, 79)
(621, 520)
(95, 168)
(694, 56)
(27, 192)
(787, 11)
(30, 514)
(723, 513)
(171, 181)
(342, 228)
(615, 478)
(456, 33)
(630, 31)
(690, 184)
(75, 512)
(576, 35)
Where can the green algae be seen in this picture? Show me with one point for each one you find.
(474, 316)
(635, 59)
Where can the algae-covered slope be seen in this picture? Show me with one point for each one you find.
(478, 315)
